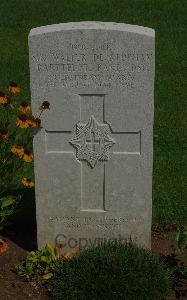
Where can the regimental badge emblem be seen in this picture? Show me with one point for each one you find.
(92, 141)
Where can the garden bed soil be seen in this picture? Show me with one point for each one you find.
(20, 241)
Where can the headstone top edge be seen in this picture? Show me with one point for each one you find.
(88, 25)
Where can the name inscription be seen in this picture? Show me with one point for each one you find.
(82, 65)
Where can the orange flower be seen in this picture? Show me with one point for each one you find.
(24, 107)
(45, 105)
(22, 121)
(3, 98)
(8, 104)
(3, 246)
(14, 88)
(37, 122)
(31, 120)
(17, 150)
(4, 134)
(58, 247)
(27, 182)
(71, 253)
(27, 155)
(34, 122)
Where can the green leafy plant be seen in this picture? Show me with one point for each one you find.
(8, 206)
(39, 265)
(181, 238)
(180, 246)
(111, 271)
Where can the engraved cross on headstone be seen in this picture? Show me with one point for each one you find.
(93, 141)
(91, 131)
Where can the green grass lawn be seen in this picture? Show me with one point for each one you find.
(168, 18)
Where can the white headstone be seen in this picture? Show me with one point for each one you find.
(94, 154)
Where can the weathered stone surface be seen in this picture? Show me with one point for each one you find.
(94, 153)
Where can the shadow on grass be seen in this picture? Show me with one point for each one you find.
(21, 227)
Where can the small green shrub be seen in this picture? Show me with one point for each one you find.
(111, 271)
(39, 265)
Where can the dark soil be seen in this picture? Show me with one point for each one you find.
(20, 241)
(11, 285)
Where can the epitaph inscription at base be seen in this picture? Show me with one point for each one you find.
(94, 154)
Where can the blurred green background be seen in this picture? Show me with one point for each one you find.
(168, 18)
